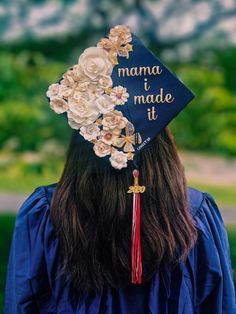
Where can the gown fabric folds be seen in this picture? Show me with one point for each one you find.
(204, 284)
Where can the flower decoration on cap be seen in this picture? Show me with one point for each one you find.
(87, 94)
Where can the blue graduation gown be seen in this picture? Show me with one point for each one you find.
(204, 284)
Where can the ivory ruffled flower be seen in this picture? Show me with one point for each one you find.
(107, 137)
(94, 91)
(118, 160)
(53, 90)
(94, 62)
(114, 121)
(104, 104)
(105, 82)
(119, 95)
(59, 105)
(90, 132)
(120, 33)
(101, 148)
(82, 112)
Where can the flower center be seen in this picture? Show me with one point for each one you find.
(108, 136)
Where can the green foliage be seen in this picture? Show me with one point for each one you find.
(25, 117)
(209, 122)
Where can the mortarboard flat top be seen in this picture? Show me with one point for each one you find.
(119, 96)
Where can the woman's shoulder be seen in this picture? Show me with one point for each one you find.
(199, 200)
(36, 204)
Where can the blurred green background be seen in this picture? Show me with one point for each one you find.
(41, 39)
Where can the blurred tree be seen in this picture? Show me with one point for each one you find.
(45, 25)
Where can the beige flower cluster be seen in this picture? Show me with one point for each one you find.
(87, 94)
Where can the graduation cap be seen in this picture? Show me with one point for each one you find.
(119, 96)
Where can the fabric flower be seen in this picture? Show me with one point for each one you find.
(77, 95)
(94, 62)
(77, 122)
(73, 124)
(118, 159)
(66, 87)
(82, 112)
(83, 108)
(120, 33)
(53, 91)
(90, 132)
(105, 82)
(104, 104)
(114, 121)
(107, 136)
(119, 95)
(59, 105)
(94, 91)
(101, 149)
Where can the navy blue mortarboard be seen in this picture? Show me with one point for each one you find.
(156, 95)
(119, 96)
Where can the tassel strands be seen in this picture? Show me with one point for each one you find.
(136, 253)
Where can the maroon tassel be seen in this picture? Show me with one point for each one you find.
(136, 253)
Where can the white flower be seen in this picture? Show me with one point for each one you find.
(120, 33)
(59, 105)
(94, 62)
(107, 136)
(114, 121)
(53, 91)
(82, 86)
(105, 82)
(101, 149)
(118, 159)
(77, 122)
(73, 124)
(104, 104)
(90, 132)
(119, 95)
(83, 111)
(94, 91)
(77, 95)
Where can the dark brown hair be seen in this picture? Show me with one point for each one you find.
(92, 214)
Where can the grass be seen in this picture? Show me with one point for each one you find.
(6, 229)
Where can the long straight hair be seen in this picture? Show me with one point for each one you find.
(92, 214)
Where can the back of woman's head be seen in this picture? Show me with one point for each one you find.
(92, 214)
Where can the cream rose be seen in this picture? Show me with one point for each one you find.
(59, 105)
(114, 121)
(94, 91)
(94, 62)
(53, 90)
(105, 82)
(120, 33)
(73, 124)
(104, 104)
(118, 159)
(101, 149)
(90, 132)
(107, 137)
(83, 108)
(81, 113)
